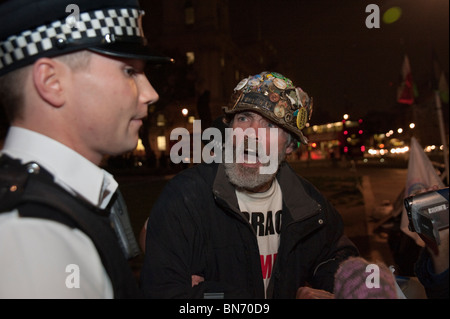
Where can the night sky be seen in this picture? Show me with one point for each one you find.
(325, 47)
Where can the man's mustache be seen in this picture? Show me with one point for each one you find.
(253, 148)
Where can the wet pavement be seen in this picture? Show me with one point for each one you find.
(381, 189)
(380, 186)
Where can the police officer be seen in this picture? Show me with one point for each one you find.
(73, 87)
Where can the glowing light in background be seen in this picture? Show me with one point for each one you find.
(392, 15)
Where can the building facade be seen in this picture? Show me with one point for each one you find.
(208, 65)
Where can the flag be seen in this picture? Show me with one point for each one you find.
(438, 80)
(421, 176)
(405, 92)
(443, 88)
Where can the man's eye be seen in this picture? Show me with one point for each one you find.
(242, 118)
(130, 71)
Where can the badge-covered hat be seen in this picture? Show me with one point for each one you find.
(33, 29)
(276, 98)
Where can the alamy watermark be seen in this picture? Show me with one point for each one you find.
(373, 19)
(73, 279)
(238, 146)
(73, 18)
(373, 279)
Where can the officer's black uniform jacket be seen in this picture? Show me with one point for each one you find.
(36, 195)
(196, 228)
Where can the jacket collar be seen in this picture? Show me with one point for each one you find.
(223, 189)
(295, 197)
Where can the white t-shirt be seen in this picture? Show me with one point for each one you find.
(263, 211)
(46, 259)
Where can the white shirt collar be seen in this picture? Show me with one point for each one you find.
(71, 170)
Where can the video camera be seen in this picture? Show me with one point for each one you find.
(428, 213)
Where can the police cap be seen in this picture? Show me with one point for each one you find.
(33, 29)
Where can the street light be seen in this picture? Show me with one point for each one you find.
(185, 112)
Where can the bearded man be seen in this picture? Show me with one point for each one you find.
(248, 227)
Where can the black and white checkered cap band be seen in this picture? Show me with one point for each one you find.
(94, 27)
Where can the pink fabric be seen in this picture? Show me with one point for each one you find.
(356, 278)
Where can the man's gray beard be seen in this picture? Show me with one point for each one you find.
(249, 178)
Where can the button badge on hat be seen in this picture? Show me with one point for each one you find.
(302, 116)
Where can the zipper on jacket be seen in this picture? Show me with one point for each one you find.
(276, 272)
(235, 214)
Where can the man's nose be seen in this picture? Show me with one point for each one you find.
(253, 130)
(148, 94)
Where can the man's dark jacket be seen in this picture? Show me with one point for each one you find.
(196, 228)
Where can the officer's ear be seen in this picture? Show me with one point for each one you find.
(47, 79)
